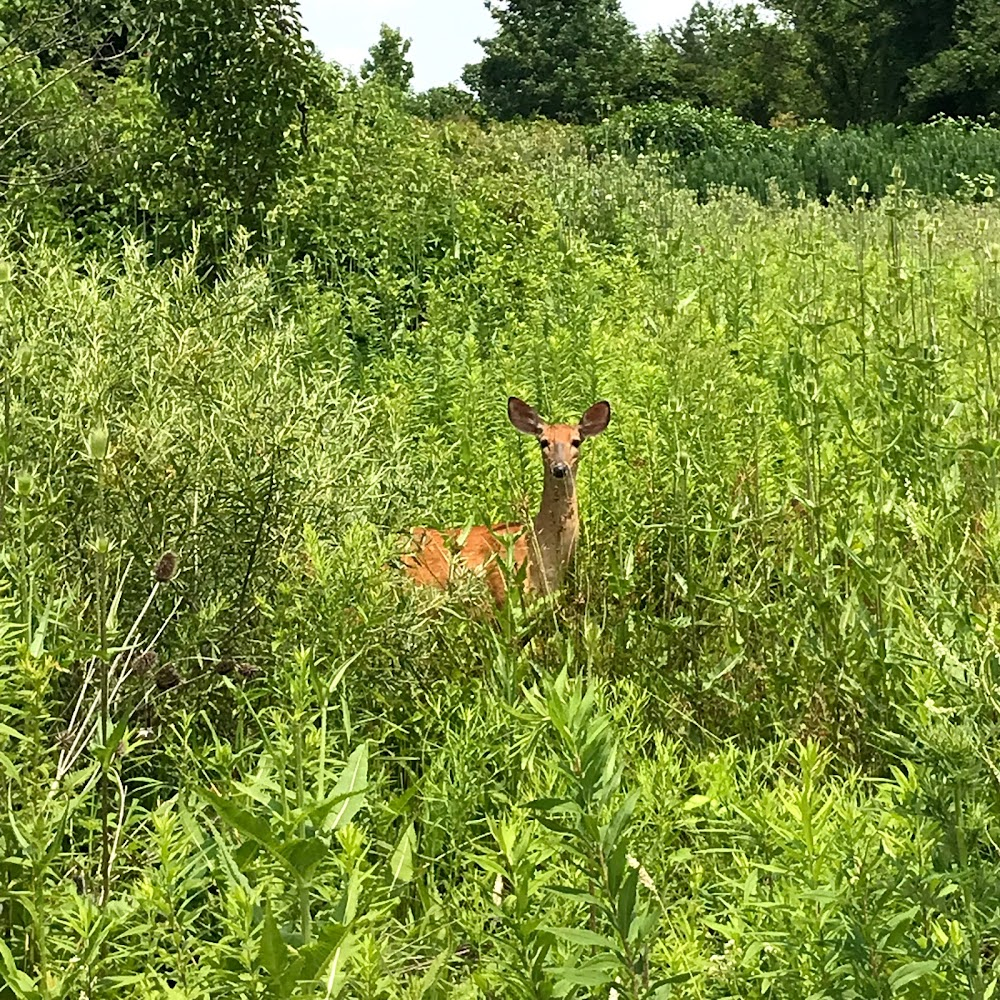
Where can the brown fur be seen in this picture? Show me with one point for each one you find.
(437, 558)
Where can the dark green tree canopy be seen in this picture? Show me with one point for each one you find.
(570, 60)
(729, 57)
(861, 52)
(387, 59)
(439, 103)
(237, 73)
(964, 78)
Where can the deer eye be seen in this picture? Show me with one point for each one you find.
(544, 443)
(575, 443)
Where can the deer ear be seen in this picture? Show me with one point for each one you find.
(523, 417)
(596, 419)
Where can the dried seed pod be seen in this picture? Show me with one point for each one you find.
(167, 677)
(165, 567)
(145, 662)
(248, 671)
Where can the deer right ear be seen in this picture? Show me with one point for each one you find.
(524, 417)
(595, 421)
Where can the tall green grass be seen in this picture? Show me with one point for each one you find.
(752, 751)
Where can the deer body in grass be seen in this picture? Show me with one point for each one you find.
(545, 548)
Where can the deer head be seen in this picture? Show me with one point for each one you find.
(560, 443)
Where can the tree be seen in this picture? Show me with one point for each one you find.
(387, 60)
(440, 103)
(729, 57)
(963, 79)
(861, 52)
(166, 111)
(57, 59)
(237, 74)
(570, 60)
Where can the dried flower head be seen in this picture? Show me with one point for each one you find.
(167, 677)
(145, 662)
(165, 567)
(248, 671)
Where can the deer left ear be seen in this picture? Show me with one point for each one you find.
(524, 417)
(595, 421)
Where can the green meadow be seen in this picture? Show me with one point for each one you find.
(751, 750)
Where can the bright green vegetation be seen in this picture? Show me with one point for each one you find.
(752, 751)
(706, 150)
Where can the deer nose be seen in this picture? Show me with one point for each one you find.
(560, 469)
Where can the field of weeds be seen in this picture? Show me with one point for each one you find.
(750, 750)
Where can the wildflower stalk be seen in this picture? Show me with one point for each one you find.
(302, 657)
(97, 449)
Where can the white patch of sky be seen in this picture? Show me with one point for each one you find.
(443, 32)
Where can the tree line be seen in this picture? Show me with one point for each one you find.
(849, 62)
(162, 117)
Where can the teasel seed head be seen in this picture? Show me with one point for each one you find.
(97, 444)
(145, 662)
(166, 567)
(248, 671)
(167, 677)
(24, 482)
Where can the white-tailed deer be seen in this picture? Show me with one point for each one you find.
(545, 548)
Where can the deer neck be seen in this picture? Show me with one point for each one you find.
(556, 528)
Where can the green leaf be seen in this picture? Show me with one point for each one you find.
(21, 984)
(910, 972)
(195, 831)
(595, 972)
(401, 863)
(547, 805)
(985, 446)
(273, 954)
(583, 936)
(397, 806)
(105, 754)
(335, 968)
(696, 802)
(38, 639)
(350, 789)
(303, 855)
(255, 827)
(580, 895)
(621, 818)
(626, 901)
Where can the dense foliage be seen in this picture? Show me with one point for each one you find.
(566, 60)
(752, 750)
(856, 62)
(729, 57)
(387, 59)
(708, 150)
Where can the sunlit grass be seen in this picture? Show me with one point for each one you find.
(784, 609)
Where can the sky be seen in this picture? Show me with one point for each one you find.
(444, 32)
